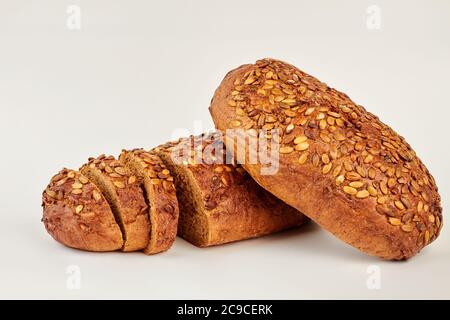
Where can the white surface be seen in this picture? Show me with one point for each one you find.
(138, 71)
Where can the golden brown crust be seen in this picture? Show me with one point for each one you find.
(339, 164)
(161, 197)
(233, 206)
(125, 197)
(77, 215)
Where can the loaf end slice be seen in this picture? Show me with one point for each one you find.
(157, 182)
(121, 189)
(76, 214)
(219, 201)
(338, 163)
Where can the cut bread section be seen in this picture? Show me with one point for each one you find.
(76, 214)
(219, 202)
(157, 183)
(121, 188)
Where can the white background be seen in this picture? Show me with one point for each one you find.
(138, 73)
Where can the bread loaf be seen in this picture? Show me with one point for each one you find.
(105, 208)
(157, 182)
(122, 190)
(77, 215)
(338, 163)
(220, 202)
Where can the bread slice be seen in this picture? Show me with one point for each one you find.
(121, 188)
(157, 182)
(219, 202)
(76, 214)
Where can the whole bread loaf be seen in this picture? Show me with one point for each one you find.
(338, 163)
(219, 201)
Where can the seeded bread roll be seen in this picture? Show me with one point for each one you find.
(157, 182)
(77, 215)
(339, 164)
(220, 203)
(125, 197)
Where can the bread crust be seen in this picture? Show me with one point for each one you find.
(155, 178)
(126, 199)
(340, 165)
(79, 217)
(233, 205)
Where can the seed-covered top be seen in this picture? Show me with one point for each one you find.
(77, 193)
(120, 176)
(321, 127)
(205, 155)
(154, 167)
(206, 150)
